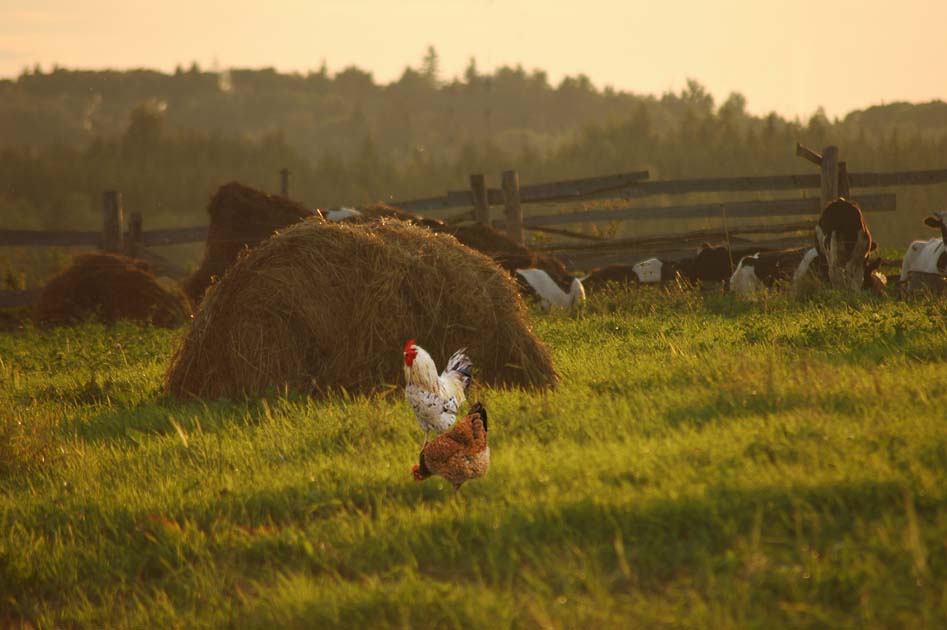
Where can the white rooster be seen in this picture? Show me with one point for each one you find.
(435, 399)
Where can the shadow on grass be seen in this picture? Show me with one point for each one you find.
(154, 417)
(268, 532)
(731, 405)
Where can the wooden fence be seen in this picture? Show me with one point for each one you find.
(478, 201)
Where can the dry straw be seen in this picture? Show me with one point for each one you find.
(110, 287)
(505, 251)
(240, 217)
(324, 306)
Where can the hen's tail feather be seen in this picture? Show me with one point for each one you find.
(460, 364)
(478, 408)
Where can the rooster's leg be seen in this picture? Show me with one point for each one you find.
(424, 443)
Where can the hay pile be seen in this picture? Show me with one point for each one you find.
(508, 253)
(505, 251)
(323, 306)
(382, 210)
(109, 287)
(239, 217)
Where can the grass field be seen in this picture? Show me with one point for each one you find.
(706, 463)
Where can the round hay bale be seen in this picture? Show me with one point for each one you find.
(323, 306)
(240, 217)
(109, 287)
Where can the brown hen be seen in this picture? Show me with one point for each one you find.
(459, 454)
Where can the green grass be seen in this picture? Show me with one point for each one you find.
(706, 462)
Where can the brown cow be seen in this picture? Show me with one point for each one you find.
(842, 253)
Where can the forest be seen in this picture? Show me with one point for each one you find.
(167, 141)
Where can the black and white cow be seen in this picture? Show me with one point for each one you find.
(841, 257)
(711, 264)
(764, 269)
(928, 256)
(649, 271)
(708, 265)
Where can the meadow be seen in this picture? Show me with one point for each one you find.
(706, 462)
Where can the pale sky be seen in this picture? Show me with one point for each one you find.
(769, 50)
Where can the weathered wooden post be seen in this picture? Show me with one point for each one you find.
(844, 185)
(113, 221)
(830, 169)
(808, 154)
(512, 209)
(284, 182)
(481, 204)
(136, 237)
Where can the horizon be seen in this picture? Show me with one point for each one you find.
(709, 44)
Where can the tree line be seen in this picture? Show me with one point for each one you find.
(167, 141)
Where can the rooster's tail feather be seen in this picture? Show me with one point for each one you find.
(459, 366)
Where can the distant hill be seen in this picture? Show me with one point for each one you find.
(913, 117)
(319, 114)
(168, 140)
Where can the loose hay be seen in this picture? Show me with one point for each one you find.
(381, 210)
(239, 217)
(110, 287)
(485, 239)
(326, 306)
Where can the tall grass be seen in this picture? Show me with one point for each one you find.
(707, 462)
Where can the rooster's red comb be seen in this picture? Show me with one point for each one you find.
(408, 345)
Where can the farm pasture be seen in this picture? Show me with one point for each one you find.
(706, 461)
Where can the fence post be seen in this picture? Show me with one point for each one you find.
(478, 191)
(829, 174)
(113, 221)
(512, 209)
(136, 238)
(284, 182)
(844, 184)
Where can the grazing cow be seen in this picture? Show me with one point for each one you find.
(842, 251)
(764, 269)
(551, 294)
(930, 256)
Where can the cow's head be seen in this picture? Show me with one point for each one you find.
(938, 220)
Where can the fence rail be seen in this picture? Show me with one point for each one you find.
(175, 236)
(533, 193)
(630, 185)
(49, 237)
(66, 238)
(730, 209)
(831, 180)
